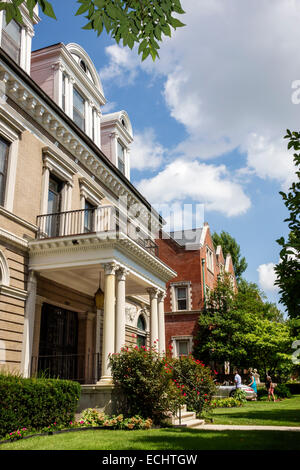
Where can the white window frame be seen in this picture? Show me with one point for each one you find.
(173, 287)
(10, 131)
(175, 341)
(209, 259)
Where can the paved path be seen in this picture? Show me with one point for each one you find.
(232, 427)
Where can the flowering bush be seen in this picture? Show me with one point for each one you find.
(89, 418)
(141, 377)
(226, 403)
(18, 434)
(194, 380)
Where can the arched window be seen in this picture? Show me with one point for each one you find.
(4, 271)
(141, 334)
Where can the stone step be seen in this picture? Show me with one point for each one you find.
(186, 416)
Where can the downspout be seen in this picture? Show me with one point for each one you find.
(203, 276)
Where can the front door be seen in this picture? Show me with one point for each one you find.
(58, 342)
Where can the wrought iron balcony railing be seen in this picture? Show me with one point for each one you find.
(99, 219)
(85, 369)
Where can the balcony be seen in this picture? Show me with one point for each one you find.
(103, 219)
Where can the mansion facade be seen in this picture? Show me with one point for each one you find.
(80, 275)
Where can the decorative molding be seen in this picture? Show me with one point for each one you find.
(14, 239)
(9, 291)
(18, 220)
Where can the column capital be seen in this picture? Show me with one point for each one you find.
(122, 273)
(153, 292)
(110, 268)
(161, 296)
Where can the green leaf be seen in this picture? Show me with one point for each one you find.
(47, 8)
(82, 9)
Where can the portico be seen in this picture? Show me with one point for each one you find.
(130, 276)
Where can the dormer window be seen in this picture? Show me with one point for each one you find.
(121, 158)
(63, 99)
(11, 39)
(78, 109)
(83, 66)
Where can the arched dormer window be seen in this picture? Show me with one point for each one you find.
(141, 333)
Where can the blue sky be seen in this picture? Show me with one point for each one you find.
(209, 116)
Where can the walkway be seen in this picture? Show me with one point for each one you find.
(236, 427)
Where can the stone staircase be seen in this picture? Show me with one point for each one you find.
(188, 419)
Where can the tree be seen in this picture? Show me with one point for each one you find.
(288, 269)
(243, 329)
(132, 21)
(229, 245)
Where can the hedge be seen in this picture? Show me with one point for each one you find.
(36, 402)
(294, 388)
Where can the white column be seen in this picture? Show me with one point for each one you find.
(153, 317)
(109, 321)
(161, 323)
(120, 308)
(29, 325)
(97, 339)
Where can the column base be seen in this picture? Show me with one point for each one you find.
(105, 380)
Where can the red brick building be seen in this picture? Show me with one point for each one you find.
(192, 255)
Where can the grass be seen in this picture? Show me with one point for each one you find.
(161, 439)
(281, 413)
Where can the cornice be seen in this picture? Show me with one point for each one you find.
(123, 244)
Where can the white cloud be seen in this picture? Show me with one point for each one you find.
(146, 152)
(123, 65)
(228, 80)
(267, 277)
(202, 183)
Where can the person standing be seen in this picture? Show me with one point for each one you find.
(253, 383)
(270, 388)
(237, 380)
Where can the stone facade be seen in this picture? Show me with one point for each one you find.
(68, 224)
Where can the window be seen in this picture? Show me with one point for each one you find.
(4, 147)
(182, 345)
(63, 100)
(94, 125)
(181, 298)
(121, 158)
(78, 109)
(89, 211)
(11, 39)
(141, 336)
(209, 259)
(54, 206)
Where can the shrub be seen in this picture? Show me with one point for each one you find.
(239, 395)
(94, 417)
(194, 380)
(282, 391)
(147, 389)
(226, 403)
(294, 387)
(36, 403)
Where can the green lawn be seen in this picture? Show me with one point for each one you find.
(161, 439)
(281, 413)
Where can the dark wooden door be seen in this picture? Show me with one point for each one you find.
(58, 342)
